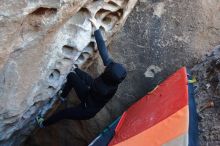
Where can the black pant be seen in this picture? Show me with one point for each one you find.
(81, 82)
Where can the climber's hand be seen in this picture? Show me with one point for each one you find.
(95, 23)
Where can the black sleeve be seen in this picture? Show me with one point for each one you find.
(103, 51)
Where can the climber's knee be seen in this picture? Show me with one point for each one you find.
(71, 76)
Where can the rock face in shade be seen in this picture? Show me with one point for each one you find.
(40, 41)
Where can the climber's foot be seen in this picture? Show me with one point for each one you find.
(40, 121)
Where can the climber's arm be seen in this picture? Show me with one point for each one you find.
(103, 51)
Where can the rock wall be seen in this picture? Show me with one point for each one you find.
(41, 40)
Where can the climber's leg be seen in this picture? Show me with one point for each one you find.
(75, 113)
(68, 85)
(74, 81)
(84, 76)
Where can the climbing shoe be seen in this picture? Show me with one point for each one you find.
(40, 121)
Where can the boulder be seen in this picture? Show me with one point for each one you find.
(41, 40)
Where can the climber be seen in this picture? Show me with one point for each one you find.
(93, 93)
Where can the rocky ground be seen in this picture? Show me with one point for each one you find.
(207, 95)
(158, 38)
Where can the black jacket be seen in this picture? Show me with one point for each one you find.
(105, 86)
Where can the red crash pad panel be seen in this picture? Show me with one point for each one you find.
(169, 97)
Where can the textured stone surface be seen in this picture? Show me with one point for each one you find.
(208, 91)
(158, 34)
(40, 42)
